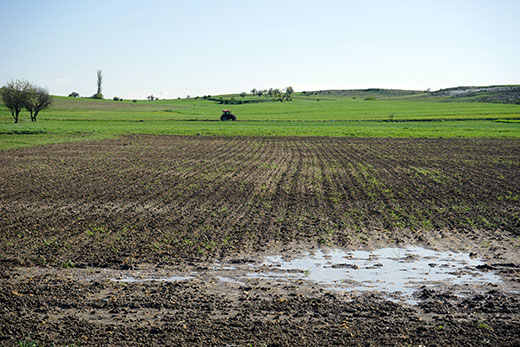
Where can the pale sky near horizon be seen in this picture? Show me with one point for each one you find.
(179, 48)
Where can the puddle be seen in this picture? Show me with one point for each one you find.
(228, 280)
(393, 270)
(399, 272)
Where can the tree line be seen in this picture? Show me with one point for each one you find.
(274, 93)
(21, 94)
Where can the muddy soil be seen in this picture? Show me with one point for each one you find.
(75, 218)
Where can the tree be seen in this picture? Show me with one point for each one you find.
(38, 100)
(276, 94)
(98, 94)
(282, 95)
(15, 96)
(150, 97)
(74, 95)
(286, 94)
(259, 93)
(253, 91)
(243, 94)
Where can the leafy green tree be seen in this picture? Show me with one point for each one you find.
(243, 94)
(287, 94)
(39, 99)
(277, 94)
(15, 96)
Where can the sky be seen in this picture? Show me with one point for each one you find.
(177, 48)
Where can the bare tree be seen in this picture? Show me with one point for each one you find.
(38, 100)
(15, 96)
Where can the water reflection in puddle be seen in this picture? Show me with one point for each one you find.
(399, 271)
(387, 269)
(228, 280)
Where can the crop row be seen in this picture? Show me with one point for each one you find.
(170, 198)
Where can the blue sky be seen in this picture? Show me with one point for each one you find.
(179, 48)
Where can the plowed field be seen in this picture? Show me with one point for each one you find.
(168, 203)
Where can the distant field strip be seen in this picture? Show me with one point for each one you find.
(302, 108)
(72, 119)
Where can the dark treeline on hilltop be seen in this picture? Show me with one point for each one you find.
(269, 95)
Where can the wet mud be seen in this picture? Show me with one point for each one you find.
(166, 240)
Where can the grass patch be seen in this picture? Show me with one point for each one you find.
(334, 116)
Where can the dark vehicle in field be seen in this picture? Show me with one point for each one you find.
(227, 115)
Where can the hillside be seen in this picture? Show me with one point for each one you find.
(494, 94)
(363, 93)
(499, 94)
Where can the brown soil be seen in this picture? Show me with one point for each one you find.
(72, 213)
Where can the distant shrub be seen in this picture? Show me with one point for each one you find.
(134, 100)
(116, 98)
(74, 95)
(370, 98)
(97, 96)
(231, 101)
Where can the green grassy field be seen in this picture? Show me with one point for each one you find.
(72, 119)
